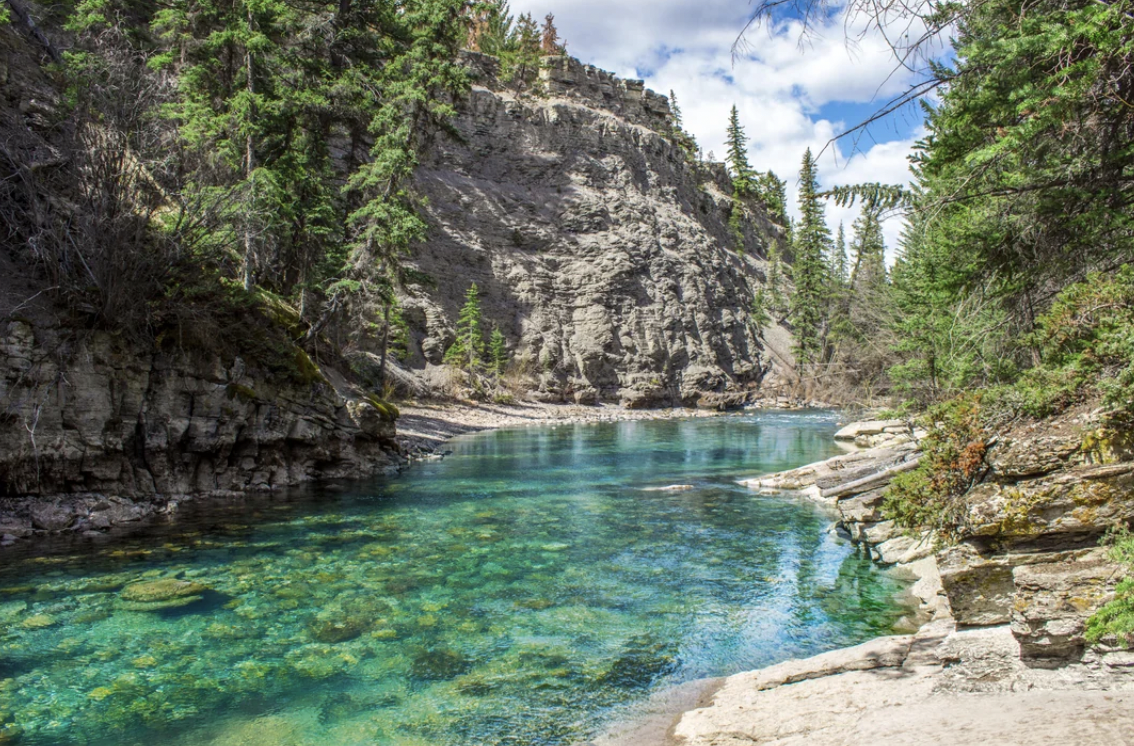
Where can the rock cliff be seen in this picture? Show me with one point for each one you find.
(600, 250)
(93, 414)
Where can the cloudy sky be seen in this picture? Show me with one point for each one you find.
(790, 96)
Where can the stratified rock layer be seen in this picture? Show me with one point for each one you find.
(97, 415)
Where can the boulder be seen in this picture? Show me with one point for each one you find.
(980, 589)
(158, 595)
(51, 517)
(871, 427)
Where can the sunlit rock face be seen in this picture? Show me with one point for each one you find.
(602, 253)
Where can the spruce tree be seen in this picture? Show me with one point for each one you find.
(811, 240)
(773, 191)
(737, 160)
(497, 351)
(870, 263)
(675, 109)
(838, 261)
(467, 350)
(549, 37)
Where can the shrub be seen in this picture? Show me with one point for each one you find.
(952, 462)
(1116, 618)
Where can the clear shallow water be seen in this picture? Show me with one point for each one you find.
(522, 591)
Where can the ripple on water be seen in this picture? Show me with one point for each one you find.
(520, 592)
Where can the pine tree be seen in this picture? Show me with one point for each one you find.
(773, 191)
(497, 351)
(838, 261)
(742, 174)
(811, 240)
(675, 109)
(775, 279)
(467, 350)
(760, 316)
(519, 62)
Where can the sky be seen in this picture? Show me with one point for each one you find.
(789, 95)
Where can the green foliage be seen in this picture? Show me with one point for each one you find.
(5, 15)
(1086, 344)
(869, 271)
(759, 315)
(875, 197)
(520, 56)
(743, 178)
(772, 190)
(1116, 618)
(838, 262)
(497, 351)
(811, 240)
(952, 461)
(467, 350)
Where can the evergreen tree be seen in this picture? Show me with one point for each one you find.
(675, 109)
(839, 256)
(497, 351)
(491, 29)
(869, 271)
(773, 191)
(467, 350)
(519, 61)
(737, 160)
(775, 279)
(811, 240)
(760, 316)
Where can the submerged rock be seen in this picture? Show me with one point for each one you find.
(156, 595)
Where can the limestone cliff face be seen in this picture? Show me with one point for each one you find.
(96, 415)
(602, 253)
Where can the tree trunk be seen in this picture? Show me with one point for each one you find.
(382, 349)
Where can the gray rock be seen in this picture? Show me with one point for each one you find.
(1054, 599)
(604, 256)
(980, 589)
(51, 517)
(870, 427)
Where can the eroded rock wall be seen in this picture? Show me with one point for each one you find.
(95, 414)
(600, 250)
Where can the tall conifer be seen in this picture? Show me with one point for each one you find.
(811, 240)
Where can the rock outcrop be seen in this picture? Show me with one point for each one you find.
(601, 251)
(95, 414)
(1026, 548)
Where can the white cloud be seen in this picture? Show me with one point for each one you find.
(778, 85)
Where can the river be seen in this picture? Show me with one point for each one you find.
(525, 590)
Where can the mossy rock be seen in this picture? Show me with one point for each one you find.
(235, 391)
(158, 595)
(388, 410)
(337, 630)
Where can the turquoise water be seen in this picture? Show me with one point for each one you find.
(523, 591)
